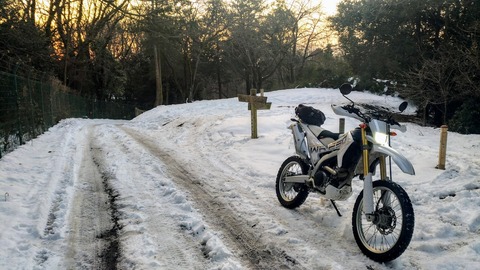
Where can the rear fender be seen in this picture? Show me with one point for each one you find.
(300, 141)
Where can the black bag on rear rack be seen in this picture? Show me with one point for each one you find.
(310, 115)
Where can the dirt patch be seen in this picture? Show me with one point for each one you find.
(111, 253)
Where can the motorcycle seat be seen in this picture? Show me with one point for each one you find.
(321, 133)
(328, 134)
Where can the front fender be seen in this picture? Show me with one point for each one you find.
(402, 162)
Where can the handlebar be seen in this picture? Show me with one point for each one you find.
(367, 117)
(375, 114)
(351, 109)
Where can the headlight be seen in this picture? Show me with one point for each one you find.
(381, 138)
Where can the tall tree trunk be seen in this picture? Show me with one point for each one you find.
(445, 108)
(32, 6)
(158, 77)
(248, 83)
(291, 64)
(219, 80)
(193, 84)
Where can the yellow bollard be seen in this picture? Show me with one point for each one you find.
(443, 148)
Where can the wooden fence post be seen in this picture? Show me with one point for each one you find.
(443, 148)
(253, 115)
(341, 125)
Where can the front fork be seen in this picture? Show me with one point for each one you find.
(368, 204)
(367, 181)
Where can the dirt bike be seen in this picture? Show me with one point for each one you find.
(326, 162)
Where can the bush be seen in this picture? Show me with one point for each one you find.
(466, 118)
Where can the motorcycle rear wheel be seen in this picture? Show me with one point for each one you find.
(291, 195)
(389, 235)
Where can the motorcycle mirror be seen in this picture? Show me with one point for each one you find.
(346, 89)
(403, 106)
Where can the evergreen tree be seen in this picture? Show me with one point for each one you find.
(424, 45)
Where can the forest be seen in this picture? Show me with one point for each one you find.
(159, 52)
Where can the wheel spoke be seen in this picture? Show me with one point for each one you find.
(387, 236)
(381, 235)
(291, 195)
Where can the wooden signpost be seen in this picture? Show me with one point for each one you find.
(255, 103)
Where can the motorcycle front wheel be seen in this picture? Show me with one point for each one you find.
(389, 234)
(291, 195)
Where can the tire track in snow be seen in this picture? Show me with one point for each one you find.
(141, 188)
(92, 228)
(254, 253)
(79, 210)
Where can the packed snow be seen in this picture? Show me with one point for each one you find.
(185, 187)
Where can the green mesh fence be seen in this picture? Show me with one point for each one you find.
(29, 107)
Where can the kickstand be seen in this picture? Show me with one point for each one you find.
(335, 206)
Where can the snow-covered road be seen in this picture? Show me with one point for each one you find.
(184, 187)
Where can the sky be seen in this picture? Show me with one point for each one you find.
(329, 6)
(185, 187)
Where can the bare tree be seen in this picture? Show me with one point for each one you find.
(305, 33)
(433, 83)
